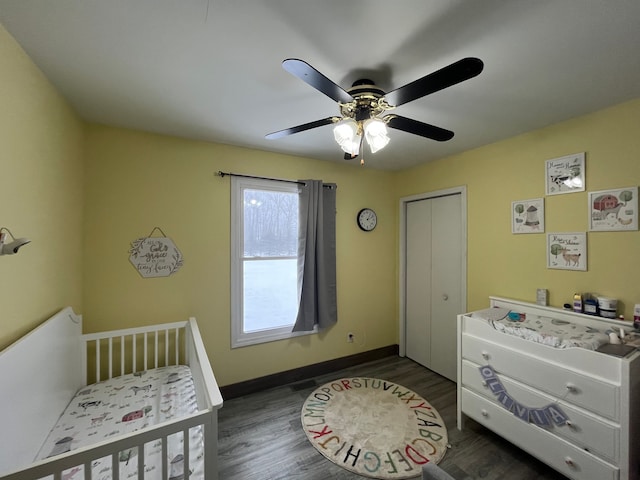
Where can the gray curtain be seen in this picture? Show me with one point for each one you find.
(317, 256)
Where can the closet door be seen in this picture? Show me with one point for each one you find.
(434, 252)
(446, 290)
(418, 282)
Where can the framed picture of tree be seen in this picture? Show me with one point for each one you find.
(613, 210)
(527, 216)
(567, 251)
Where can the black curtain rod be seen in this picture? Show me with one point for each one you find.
(222, 174)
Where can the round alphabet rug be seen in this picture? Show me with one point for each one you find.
(374, 427)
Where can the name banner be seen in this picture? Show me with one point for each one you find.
(546, 416)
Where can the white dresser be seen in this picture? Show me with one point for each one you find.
(590, 428)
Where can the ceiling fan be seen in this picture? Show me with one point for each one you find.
(363, 107)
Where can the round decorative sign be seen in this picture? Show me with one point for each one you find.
(374, 427)
(155, 257)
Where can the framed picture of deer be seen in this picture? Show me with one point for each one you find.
(613, 210)
(565, 174)
(567, 251)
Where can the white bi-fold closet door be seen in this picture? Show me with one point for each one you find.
(434, 252)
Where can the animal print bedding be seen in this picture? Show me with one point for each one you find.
(548, 331)
(123, 405)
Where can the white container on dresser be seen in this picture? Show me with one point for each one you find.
(598, 393)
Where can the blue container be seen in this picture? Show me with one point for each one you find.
(591, 307)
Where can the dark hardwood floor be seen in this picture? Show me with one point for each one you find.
(261, 435)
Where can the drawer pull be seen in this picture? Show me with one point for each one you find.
(569, 462)
(485, 414)
(485, 355)
(572, 388)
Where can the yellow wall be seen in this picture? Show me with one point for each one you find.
(500, 263)
(41, 180)
(82, 193)
(137, 181)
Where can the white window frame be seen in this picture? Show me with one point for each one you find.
(238, 337)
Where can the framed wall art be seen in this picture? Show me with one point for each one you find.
(565, 174)
(614, 210)
(527, 216)
(567, 251)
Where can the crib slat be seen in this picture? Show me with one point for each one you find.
(134, 351)
(166, 347)
(177, 344)
(141, 461)
(97, 360)
(165, 456)
(110, 357)
(155, 349)
(122, 355)
(87, 470)
(186, 471)
(115, 466)
(145, 350)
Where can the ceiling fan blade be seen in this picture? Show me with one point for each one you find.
(301, 128)
(445, 77)
(418, 128)
(311, 76)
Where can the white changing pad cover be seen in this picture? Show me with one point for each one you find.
(548, 331)
(126, 404)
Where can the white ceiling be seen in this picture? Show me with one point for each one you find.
(211, 69)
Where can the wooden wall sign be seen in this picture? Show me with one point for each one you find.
(155, 256)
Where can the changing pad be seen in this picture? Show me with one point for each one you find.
(548, 331)
(126, 404)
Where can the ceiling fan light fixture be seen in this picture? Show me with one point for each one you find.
(363, 106)
(375, 131)
(346, 135)
(351, 147)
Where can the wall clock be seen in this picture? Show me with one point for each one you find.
(367, 219)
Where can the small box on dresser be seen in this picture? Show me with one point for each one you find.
(598, 435)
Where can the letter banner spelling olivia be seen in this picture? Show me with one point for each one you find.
(375, 428)
(546, 416)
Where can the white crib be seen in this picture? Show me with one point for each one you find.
(41, 372)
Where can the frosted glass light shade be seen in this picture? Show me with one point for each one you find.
(346, 135)
(375, 132)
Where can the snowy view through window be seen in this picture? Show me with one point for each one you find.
(270, 259)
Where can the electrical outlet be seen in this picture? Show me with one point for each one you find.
(350, 337)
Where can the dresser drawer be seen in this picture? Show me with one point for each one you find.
(577, 359)
(574, 387)
(554, 451)
(583, 430)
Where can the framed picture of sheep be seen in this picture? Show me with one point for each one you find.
(567, 251)
(613, 210)
(527, 216)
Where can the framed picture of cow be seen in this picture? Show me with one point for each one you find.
(613, 210)
(565, 174)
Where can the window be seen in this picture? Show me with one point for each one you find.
(264, 262)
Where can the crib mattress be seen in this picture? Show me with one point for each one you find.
(127, 404)
(548, 331)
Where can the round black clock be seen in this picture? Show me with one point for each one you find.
(367, 219)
